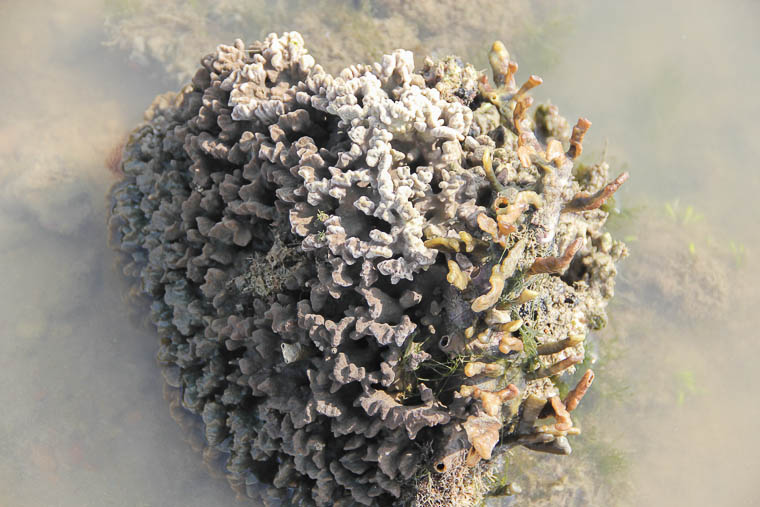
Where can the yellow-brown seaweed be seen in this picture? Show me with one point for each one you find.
(584, 201)
(492, 401)
(456, 277)
(557, 367)
(499, 273)
(439, 243)
(561, 414)
(483, 434)
(495, 316)
(511, 326)
(556, 264)
(469, 242)
(576, 139)
(546, 349)
(531, 83)
(530, 197)
(489, 225)
(510, 214)
(473, 457)
(503, 69)
(553, 431)
(477, 367)
(488, 168)
(509, 343)
(525, 296)
(521, 106)
(554, 152)
(575, 396)
(490, 298)
(505, 228)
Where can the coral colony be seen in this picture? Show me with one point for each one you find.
(367, 285)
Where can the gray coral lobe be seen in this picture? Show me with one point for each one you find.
(276, 217)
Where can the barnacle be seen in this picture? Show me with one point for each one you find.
(335, 266)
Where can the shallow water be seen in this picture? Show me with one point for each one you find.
(670, 89)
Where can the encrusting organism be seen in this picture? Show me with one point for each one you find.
(364, 283)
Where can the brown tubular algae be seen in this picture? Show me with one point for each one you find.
(364, 283)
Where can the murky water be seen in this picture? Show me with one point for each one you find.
(671, 91)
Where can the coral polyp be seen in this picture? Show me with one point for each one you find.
(368, 281)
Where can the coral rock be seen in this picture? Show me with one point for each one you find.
(297, 234)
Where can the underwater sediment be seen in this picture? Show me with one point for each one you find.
(367, 285)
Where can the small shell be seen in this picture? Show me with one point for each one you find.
(292, 352)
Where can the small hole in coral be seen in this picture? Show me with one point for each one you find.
(379, 224)
(484, 196)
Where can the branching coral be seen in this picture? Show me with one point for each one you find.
(354, 277)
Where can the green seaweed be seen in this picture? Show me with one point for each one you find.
(686, 386)
(738, 252)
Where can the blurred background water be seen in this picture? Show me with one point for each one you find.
(671, 90)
